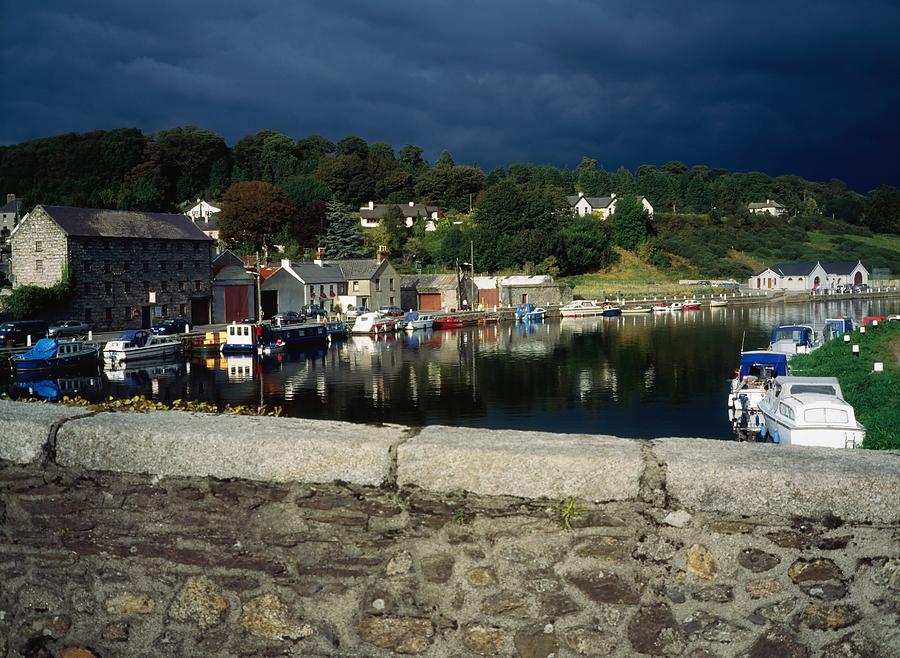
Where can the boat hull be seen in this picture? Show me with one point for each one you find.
(139, 353)
(611, 312)
(59, 363)
(416, 325)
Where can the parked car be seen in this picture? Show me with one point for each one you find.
(392, 311)
(860, 287)
(289, 317)
(314, 310)
(704, 283)
(843, 288)
(170, 326)
(68, 328)
(16, 332)
(731, 285)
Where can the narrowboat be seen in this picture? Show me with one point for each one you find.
(809, 411)
(266, 339)
(793, 339)
(337, 329)
(136, 344)
(50, 354)
(718, 303)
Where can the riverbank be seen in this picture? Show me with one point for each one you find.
(874, 396)
(172, 534)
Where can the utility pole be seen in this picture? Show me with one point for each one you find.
(258, 290)
(458, 287)
(472, 299)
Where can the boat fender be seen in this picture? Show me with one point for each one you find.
(776, 438)
(763, 430)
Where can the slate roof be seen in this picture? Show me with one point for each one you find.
(767, 204)
(12, 206)
(233, 273)
(94, 222)
(361, 268)
(594, 201)
(791, 269)
(312, 273)
(207, 225)
(429, 282)
(380, 209)
(841, 267)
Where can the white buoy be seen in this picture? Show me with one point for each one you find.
(862, 330)
(874, 323)
(28, 340)
(187, 328)
(856, 350)
(846, 338)
(90, 334)
(878, 367)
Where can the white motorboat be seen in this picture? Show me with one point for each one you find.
(374, 323)
(809, 411)
(136, 344)
(662, 307)
(676, 306)
(793, 339)
(718, 303)
(415, 320)
(630, 310)
(581, 308)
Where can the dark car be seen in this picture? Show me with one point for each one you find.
(67, 328)
(704, 283)
(289, 317)
(170, 326)
(392, 311)
(858, 287)
(17, 331)
(314, 310)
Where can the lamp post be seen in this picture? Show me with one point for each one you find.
(471, 265)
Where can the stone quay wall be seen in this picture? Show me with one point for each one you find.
(176, 534)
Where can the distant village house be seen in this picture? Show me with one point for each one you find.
(809, 276)
(370, 216)
(770, 207)
(600, 206)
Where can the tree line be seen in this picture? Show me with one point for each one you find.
(277, 189)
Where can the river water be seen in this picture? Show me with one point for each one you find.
(641, 376)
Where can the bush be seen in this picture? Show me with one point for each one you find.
(36, 303)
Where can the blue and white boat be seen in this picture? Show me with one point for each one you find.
(793, 339)
(836, 327)
(266, 339)
(136, 344)
(757, 370)
(50, 354)
(415, 320)
(530, 313)
(611, 310)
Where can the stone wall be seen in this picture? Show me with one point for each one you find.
(38, 239)
(123, 538)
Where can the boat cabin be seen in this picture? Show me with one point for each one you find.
(792, 339)
(837, 327)
(762, 365)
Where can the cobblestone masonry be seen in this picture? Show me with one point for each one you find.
(110, 564)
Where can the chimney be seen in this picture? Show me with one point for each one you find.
(285, 262)
(412, 203)
(320, 256)
(612, 195)
(371, 205)
(10, 198)
(382, 253)
(580, 194)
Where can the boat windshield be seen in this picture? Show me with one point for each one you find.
(796, 334)
(818, 389)
(826, 415)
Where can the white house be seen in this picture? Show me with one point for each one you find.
(202, 210)
(602, 206)
(770, 207)
(370, 215)
(844, 273)
(790, 276)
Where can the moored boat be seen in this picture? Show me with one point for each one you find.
(610, 310)
(755, 374)
(136, 344)
(836, 327)
(249, 337)
(581, 308)
(374, 323)
(793, 339)
(50, 354)
(676, 306)
(691, 305)
(415, 320)
(809, 411)
(529, 312)
(630, 310)
(718, 303)
(661, 307)
(337, 329)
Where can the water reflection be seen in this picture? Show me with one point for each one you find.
(649, 375)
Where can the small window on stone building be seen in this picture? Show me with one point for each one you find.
(356, 286)
(127, 287)
(86, 266)
(392, 284)
(146, 265)
(126, 266)
(38, 245)
(87, 288)
(126, 314)
(87, 315)
(165, 310)
(107, 287)
(377, 285)
(198, 285)
(181, 286)
(164, 286)
(181, 310)
(107, 266)
(108, 313)
(145, 286)
(180, 265)
(196, 248)
(38, 265)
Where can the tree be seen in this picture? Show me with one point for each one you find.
(882, 209)
(500, 208)
(629, 222)
(584, 246)
(343, 237)
(253, 213)
(309, 227)
(392, 231)
(277, 159)
(302, 190)
(188, 154)
(444, 161)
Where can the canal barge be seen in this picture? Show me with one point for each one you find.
(266, 339)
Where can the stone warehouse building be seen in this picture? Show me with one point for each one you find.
(128, 269)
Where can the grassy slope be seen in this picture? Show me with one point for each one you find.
(875, 397)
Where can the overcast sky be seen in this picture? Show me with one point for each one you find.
(795, 86)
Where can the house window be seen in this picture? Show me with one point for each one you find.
(145, 286)
(198, 285)
(165, 286)
(180, 265)
(165, 310)
(107, 287)
(86, 266)
(87, 315)
(196, 248)
(377, 285)
(312, 291)
(356, 286)
(38, 265)
(146, 265)
(127, 287)
(392, 301)
(392, 284)
(330, 289)
(107, 266)
(126, 313)
(181, 310)
(181, 286)
(126, 266)
(107, 313)
(38, 245)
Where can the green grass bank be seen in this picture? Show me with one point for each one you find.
(874, 396)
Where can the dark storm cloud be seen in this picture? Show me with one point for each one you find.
(805, 87)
